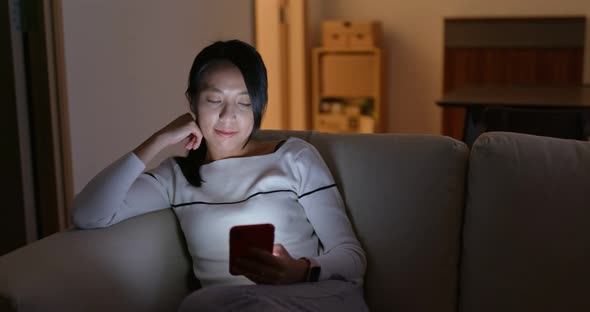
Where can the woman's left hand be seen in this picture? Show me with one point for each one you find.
(279, 267)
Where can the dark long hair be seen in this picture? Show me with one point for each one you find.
(248, 61)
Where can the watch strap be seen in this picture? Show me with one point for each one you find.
(313, 269)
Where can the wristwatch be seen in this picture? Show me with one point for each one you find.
(313, 270)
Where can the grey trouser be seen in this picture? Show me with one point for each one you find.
(330, 295)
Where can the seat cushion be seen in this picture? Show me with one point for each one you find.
(527, 225)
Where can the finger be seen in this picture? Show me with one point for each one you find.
(262, 277)
(246, 265)
(198, 140)
(193, 141)
(195, 130)
(189, 144)
(264, 257)
(279, 250)
(250, 266)
(256, 278)
(195, 136)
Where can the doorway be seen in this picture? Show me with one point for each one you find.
(38, 186)
(281, 38)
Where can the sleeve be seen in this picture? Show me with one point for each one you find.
(342, 252)
(122, 191)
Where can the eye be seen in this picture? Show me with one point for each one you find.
(214, 101)
(244, 100)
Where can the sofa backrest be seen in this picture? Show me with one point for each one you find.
(405, 197)
(527, 225)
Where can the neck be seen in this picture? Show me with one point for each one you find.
(214, 154)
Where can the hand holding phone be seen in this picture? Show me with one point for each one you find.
(244, 237)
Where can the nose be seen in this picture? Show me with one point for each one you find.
(228, 111)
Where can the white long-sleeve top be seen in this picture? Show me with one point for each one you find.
(291, 188)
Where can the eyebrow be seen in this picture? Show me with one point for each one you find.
(213, 89)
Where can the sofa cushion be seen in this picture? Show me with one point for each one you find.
(527, 225)
(405, 196)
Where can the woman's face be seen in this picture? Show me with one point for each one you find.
(224, 110)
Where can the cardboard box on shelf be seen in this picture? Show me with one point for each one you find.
(351, 34)
(335, 34)
(365, 34)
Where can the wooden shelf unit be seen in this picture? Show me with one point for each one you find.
(347, 90)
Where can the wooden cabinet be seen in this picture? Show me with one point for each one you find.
(510, 51)
(347, 91)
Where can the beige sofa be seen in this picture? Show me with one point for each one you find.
(505, 227)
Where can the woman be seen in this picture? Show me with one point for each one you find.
(229, 179)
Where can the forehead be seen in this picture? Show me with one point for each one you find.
(222, 75)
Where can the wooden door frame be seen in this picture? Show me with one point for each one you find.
(18, 224)
(41, 32)
(62, 129)
(286, 53)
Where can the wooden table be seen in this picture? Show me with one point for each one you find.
(476, 99)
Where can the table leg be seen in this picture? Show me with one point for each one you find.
(474, 124)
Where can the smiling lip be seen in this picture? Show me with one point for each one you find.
(226, 134)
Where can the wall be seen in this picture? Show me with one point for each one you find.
(127, 64)
(127, 61)
(413, 39)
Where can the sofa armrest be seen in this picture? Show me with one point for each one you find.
(140, 264)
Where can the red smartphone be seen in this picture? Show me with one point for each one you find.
(243, 237)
